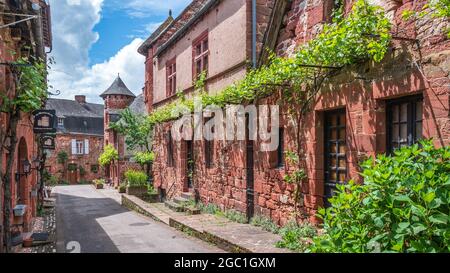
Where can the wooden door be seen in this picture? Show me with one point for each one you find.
(335, 152)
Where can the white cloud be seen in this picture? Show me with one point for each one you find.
(73, 23)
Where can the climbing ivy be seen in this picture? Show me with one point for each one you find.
(30, 76)
(437, 9)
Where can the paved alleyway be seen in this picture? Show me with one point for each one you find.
(99, 224)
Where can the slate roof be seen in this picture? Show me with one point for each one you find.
(138, 105)
(118, 87)
(70, 108)
(86, 118)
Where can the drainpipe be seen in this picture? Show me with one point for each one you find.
(254, 33)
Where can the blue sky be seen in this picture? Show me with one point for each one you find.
(117, 29)
(96, 39)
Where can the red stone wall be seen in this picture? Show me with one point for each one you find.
(64, 143)
(25, 136)
(361, 90)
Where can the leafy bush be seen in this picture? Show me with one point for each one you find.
(265, 223)
(296, 237)
(136, 178)
(143, 158)
(151, 189)
(108, 156)
(123, 187)
(52, 181)
(403, 205)
(99, 181)
(62, 157)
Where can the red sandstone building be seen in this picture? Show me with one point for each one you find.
(387, 105)
(80, 136)
(26, 37)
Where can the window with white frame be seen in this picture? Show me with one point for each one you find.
(80, 147)
(61, 122)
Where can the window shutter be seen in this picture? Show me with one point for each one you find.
(74, 146)
(86, 146)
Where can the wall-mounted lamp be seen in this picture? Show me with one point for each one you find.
(26, 167)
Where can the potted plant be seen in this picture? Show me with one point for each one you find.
(137, 183)
(27, 242)
(99, 183)
(123, 188)
(152, 196)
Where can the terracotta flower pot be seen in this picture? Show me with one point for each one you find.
(28, 242)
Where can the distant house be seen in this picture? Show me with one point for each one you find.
(80, 127)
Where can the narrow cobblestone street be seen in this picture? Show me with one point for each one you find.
(97, 224)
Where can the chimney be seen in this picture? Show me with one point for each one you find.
(81, 99)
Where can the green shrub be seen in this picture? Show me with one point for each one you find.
(296, 237)
(108, 156)
(99, 181)
(52, 181)
(136, 178)
(265, 223)
(123, 187)
(143, 158)
(62, 157)
(403, 205)
(151, 189)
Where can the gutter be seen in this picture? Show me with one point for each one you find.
(186, 27)
(254, 61)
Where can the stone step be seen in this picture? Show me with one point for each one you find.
(187, 195)
(174, 206)
(192, 210)
(181, 200)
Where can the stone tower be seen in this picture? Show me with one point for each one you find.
(117, 97)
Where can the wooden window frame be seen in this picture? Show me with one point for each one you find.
(79, 147)
(280, 149)
(171, 77)
(204, 54)
(411, 120)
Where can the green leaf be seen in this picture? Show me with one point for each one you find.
(418, 227)
(429, 197)
(439, 218)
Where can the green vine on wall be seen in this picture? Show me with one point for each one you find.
(437, 9)
(362, 35)
(30, 86)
